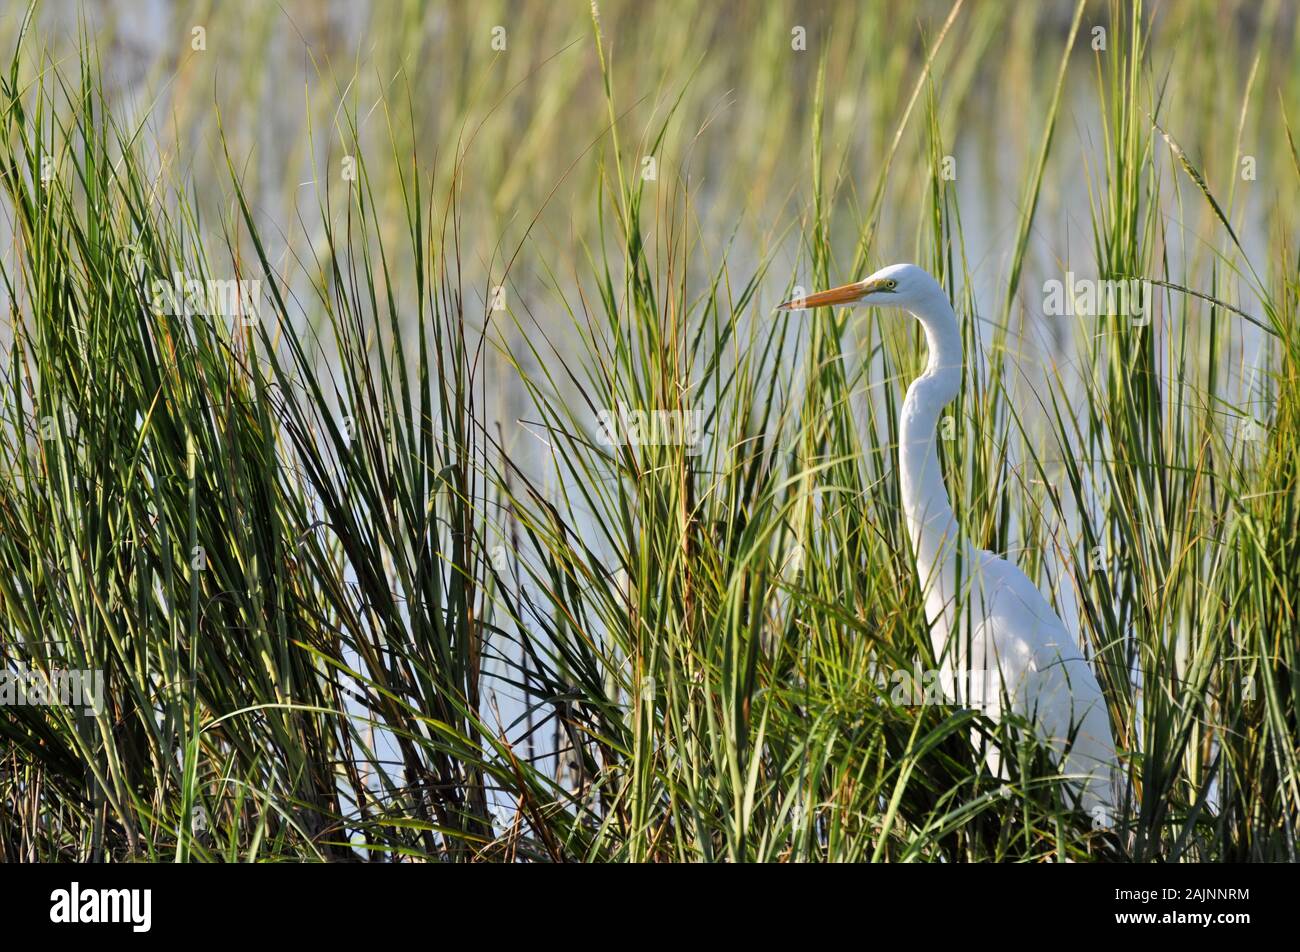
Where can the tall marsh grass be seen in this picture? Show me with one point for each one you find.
(365, 573)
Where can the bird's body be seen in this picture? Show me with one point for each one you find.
(999, 645)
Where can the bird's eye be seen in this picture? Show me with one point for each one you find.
(891, 284)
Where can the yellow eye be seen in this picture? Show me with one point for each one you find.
(891, 284)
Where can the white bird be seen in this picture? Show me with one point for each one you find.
(996, 638)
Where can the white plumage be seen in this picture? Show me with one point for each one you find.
(998, 643)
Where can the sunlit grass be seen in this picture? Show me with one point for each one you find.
(366, 579)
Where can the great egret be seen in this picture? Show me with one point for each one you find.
(997, 640)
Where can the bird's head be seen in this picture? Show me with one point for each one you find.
(899, 285)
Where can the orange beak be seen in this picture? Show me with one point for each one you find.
(844, 294)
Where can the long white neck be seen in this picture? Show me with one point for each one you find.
(930, 520)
